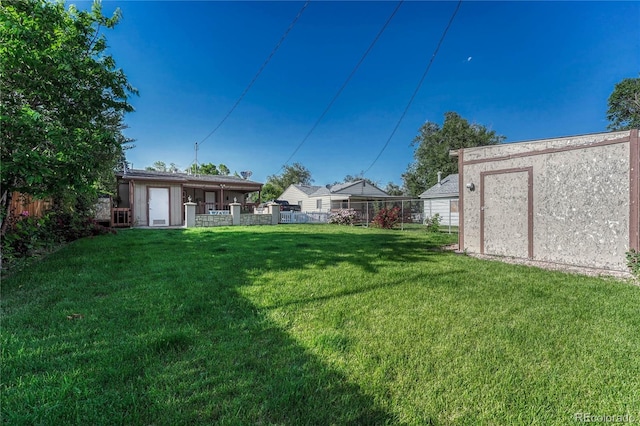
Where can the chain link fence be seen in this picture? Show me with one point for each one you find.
(412, 213)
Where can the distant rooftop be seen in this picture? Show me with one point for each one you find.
(448, 187)
(357, 187)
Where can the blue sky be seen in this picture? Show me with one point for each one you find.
(528, 70)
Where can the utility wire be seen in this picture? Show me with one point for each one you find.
(415, 92)
(335, 97)
(284, 36)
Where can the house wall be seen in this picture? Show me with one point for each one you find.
(441, 206)
(311, 204)
(294, 196)
(332, 202)
(230, 195)
(140, 204)
(122, 200)
(565, 200)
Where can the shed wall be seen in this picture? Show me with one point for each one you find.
(140, 209)
(580, 205)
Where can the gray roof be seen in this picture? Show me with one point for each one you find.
(448, 187)
(308, 189)
(183, 177)
(322, 190)
(356, 188)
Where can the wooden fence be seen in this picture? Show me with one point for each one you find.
(26, 204)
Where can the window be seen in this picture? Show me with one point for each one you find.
(319, 204)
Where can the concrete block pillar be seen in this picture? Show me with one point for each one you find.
(235, 213)
(274, 211)
(189, 215)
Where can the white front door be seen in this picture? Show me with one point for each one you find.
(158, 206)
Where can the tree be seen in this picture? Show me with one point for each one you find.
(63, 101)
(270, 192)
(433, 144)
(353, 178)
(393, 189)
(224, 170)
(624, 105)
(158, 166)
(293, 174)
(209, 169)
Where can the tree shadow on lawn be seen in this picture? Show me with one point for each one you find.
(283, 251)
(216, 357)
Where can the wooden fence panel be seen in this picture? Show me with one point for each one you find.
(21, 203)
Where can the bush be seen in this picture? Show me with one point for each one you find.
(433, 223)
(386, 218)
(344, 217)
(633, 262)
(27, 236)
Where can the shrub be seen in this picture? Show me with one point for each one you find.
(386, 218)
(28, 236)
(633, 262)
(344, 217)
(433, 223)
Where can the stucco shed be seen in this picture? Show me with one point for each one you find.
(571, 200)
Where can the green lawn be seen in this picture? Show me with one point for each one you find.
(309, 325)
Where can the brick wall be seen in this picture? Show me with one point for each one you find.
(209, 220)
(255, 219)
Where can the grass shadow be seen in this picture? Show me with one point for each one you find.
(167, 337)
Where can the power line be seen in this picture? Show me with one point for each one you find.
(415, 92)
(255, 77)
(335, 97)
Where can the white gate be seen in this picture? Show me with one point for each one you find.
(307, 217)
(292, 217)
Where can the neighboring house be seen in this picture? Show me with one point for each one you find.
(571, 200)
(442, 199)
(350, 195)
(151, 198)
